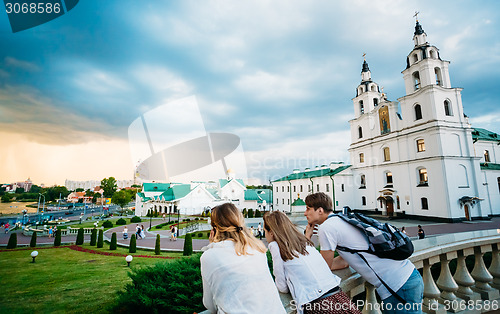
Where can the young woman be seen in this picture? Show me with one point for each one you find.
(300, 268)
(236, 278)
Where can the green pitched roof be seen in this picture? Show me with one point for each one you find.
(223, 182)
(313, 173)
(155, 187)
(298, 202)
(479, 134)
(259, 195)
(489, 166)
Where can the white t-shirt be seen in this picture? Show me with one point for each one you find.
(334, 231)
(237, 284)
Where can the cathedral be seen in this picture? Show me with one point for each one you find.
(416, 157)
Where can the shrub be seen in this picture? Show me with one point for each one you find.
(107, 224)
(33, 240)
(258, 214)
(112, 245)
(157, 245)
(79, 237)
(200, 235)
(244, 212)
(188, 245)
(57, 239)
(135, 219)
(250, 213)
(149, 213)
(196, 219)
(132, 247)
(93, 237)
(13, 241)
(100, 239)
(166, 287)
(121, 222)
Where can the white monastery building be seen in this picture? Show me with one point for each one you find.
(417, 156)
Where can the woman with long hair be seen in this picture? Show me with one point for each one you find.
(301, 270)
(236, 278)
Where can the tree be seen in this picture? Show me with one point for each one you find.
(132, 247)
(109, 186)
(33, 239)
(79, 190)
(52, 193)
(6, 198)
(157, 245)
(250, 213)
(57, 239)
(93, 237)
(188, 245)
(35, 189)
(100, 239)
(19, 190)
(79, 237)
(112, 245)
(96, 196)
(12, 241)
(121, 198)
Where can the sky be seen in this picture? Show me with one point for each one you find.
(279, 74)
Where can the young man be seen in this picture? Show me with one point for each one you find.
(400, 276)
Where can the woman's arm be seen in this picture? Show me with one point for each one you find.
(278, 268)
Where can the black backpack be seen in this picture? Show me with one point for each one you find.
(384, 240)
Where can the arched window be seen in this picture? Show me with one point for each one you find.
(373, 88)
(363, 201)
(415, 58)
(422, 177)
(447, 108)
(360, 90)
(387, 154)
(432, 54)
(361, 157)
(420, 145)
(361, 107)
(360, 132)
(388, 179)
(418, 112)
(416, 80)
(487, 156)
(363, 182)
(425, 204)
(462, 177)
(375, 102)
(437, 74)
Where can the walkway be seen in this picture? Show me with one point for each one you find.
(431, 229)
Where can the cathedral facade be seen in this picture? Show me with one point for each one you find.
(417, 156)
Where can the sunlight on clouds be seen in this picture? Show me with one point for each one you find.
(160, 80)
(24, 65)
(100, 82)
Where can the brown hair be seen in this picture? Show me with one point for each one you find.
(318, 200)
(229, 224)
(290, 241)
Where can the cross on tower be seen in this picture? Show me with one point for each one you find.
(364, 56)
(416, 15)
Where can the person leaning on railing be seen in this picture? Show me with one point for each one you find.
(236, 278)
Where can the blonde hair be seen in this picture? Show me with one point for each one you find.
(229, 224)
(290, 241)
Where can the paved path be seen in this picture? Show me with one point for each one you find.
(431, 229)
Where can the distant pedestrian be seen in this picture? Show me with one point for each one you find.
(6, 226)
(50, 232)
(143, 235)
(403, 230)
(137, 231)
(125, 233)
(174, 230)
(421, 232)
(252, 230)
(259, 231)
(163, 216)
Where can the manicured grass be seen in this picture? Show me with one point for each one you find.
(205, 235)
(183, 224)
(63, 280)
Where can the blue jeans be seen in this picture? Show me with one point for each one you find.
(412, 292)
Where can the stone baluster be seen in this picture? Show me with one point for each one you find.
(431, 291)
(495, 266)
(445, 281)
(482, 276)
(463, 278)
(371, 304)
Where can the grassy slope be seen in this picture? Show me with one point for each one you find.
(63, 280)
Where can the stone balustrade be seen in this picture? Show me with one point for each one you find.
(44, 232)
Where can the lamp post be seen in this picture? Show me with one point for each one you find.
(34, 254)
(128, 259)
(150, 218)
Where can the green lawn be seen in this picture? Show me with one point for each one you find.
(183, 224)
(64, 281)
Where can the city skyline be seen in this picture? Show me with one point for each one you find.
(279, 75)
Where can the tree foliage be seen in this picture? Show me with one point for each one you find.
(188, 245)
(121, 198)
(112, 245)
(57, 239)
(100, 239)
(93, 237)
(167, 287)
(109, 186)
(79, 237)
(157, 245)
(12, 244)
(33, 240)
(132, 247)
